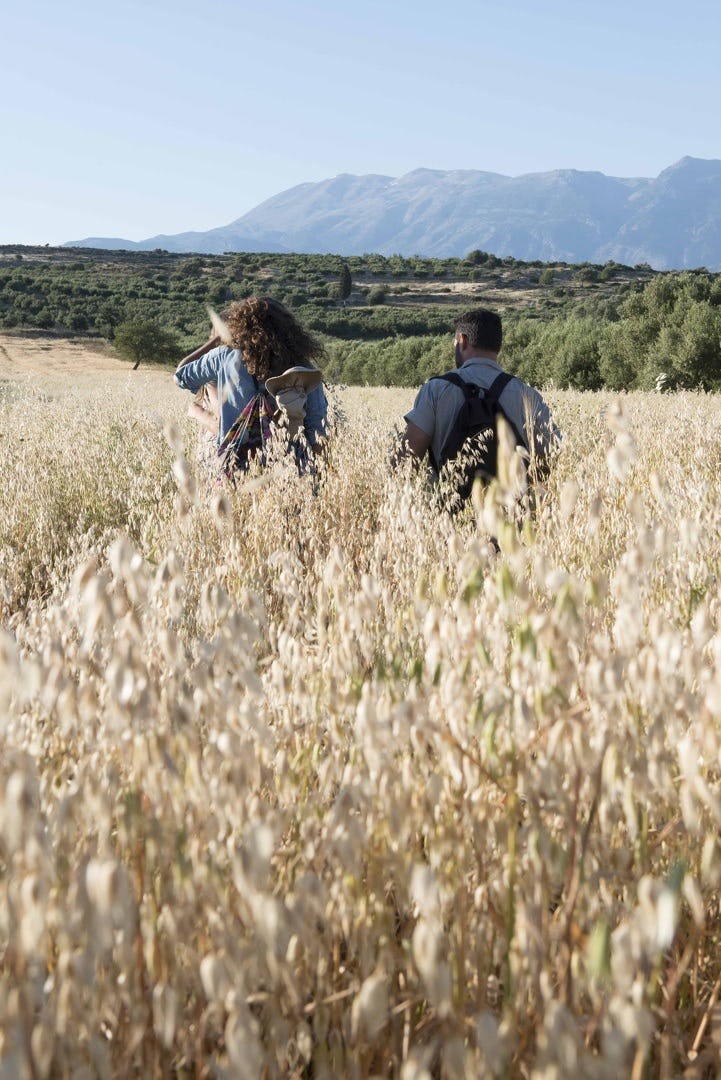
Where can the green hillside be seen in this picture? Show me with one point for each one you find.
(584, 326)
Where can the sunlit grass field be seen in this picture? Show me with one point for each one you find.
(308, 779)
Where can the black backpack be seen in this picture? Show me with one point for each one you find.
(474, 432)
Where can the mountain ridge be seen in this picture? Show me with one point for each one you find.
(570, 215)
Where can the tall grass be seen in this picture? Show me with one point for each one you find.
(307, 779)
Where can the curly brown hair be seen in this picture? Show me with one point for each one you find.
(270, 337)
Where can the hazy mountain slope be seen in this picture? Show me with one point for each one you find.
(213, 242)
(673, 221)
(551, 215)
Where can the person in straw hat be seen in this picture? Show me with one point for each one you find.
(257, 345)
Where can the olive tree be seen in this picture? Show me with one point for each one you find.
(143, 341)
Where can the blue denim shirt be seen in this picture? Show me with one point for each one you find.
(236, 387)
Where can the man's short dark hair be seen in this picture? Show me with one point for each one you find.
(482, 328)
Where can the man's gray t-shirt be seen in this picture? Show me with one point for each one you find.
(437, 403)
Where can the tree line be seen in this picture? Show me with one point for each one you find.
(387, 320)
(667, 334)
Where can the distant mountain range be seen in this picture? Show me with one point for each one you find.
(672, 222)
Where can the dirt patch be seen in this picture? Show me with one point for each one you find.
(21, 356)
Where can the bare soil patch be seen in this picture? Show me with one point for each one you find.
(22, 355)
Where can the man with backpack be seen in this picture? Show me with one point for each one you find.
(454, 415)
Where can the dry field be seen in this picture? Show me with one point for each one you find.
(52, 359)
(305, 779)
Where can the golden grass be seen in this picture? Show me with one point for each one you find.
(305, 779)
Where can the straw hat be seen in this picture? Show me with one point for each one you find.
(291, 402)
(305, 377)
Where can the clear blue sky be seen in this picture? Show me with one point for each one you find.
(138, 118)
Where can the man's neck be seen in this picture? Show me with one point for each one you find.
(480, 354)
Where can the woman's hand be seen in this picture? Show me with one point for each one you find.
(206, 419)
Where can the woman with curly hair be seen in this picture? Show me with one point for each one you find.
(262, 341)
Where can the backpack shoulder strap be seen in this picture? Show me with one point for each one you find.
(494, 392)
(498, 385)
(469, 389)
(470, 393)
